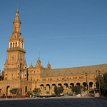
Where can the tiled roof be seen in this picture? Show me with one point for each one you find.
(75, 70)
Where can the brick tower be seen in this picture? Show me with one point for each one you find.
(15, 65)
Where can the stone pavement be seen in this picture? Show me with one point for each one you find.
(55, 102)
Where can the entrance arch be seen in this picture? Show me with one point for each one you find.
(78, 84)
(42, 89)
(66, 84)
(65, 88)
(53, 89)
(84, 84)
(47, 88)
(90, 85)
(59, 84)
(8, 91)
(42, 86)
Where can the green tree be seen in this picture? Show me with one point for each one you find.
(76, 89)
(58, 90)
(15, 91)
(36, 91)
(29, 93)
(72, 88)
(101, 84)
(104, 81)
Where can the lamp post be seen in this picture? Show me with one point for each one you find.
(99, 83)
(86, 81)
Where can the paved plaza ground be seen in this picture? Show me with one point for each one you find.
(54, 102)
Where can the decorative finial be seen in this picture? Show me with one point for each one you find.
(17, 17)
(38, 61)
(17, 12)
(49, 65)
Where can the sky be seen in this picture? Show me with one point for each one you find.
(65, 33)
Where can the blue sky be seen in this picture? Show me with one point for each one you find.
(67, 33)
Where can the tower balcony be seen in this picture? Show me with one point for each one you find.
(16, 49)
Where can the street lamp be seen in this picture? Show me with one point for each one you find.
(99, 83)
(86, 80)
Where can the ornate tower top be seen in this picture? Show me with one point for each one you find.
(38, 63)
(16, 39)
(17, 18)
(49, 66)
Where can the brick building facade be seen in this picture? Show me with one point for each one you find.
(17, 75)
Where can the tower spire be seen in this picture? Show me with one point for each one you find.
(17, 22)
(49, 65)
(17, 17)
(17, 12)
(38, 63)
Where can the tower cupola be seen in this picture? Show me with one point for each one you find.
(16, 39)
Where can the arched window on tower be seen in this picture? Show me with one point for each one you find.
(10, 45)
(16, 44)
(13, 44)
